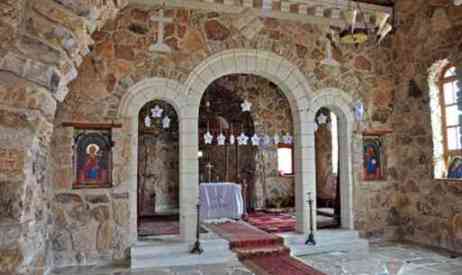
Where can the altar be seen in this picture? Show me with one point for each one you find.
(220, 200)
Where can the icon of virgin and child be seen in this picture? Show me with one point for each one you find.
(372, 158)
(92, 169)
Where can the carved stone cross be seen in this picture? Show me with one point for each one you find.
(160, 45)
(329, 60)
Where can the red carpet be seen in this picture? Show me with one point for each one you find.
(261, 252)
(241, 234)
(272, 222)
(280, 265)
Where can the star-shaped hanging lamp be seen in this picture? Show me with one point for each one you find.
(266, 140)
(276, 139)
(166, 122)
(242, 139)
(322, 119)
(208, 138)
(246, 106)
(287, 139)
(255, 140)
(232, 139)
(147, 121)
(221, 139)
(156, 112)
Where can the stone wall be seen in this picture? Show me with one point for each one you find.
(44, 42)
(121, 58)
(430, 210)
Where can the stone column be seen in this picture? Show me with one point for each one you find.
(26, 112)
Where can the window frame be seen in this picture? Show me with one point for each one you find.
(287, 146)
(444, 127)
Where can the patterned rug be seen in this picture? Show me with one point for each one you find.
(272, 222)
(261, 252)
(279, 265)
(241, 234)
(279, 222)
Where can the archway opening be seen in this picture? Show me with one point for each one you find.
(327, 169)
(158, 170)
(338, 105)
(246, 139)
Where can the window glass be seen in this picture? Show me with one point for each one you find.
(285, 161)
(453, 115)
(453, 136)
(450, 72)
(450, 92)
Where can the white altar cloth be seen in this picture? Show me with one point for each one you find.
(220, 200)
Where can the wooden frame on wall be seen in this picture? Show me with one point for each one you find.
(448, 154)
(92, 155)
(374, 161)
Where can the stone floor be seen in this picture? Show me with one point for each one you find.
(232, 268)
(397, 259)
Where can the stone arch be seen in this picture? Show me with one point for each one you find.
(435, 70)
(282, 73)
(341, 104)
(433, 81)
(138, 95)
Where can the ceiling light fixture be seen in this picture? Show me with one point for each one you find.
(358, 26)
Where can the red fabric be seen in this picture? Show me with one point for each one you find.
(260, 251)
(243, 235)
(272, 222)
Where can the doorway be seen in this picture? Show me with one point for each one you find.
(327, 170)
(158, 171)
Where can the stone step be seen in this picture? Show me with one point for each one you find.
(264, 241)
(326, 235)
(153, 249)
(246, 253)
(183, 259)
(175, 253)
(327, 241)
(304, 250)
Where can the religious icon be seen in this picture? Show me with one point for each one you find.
(373, 158)
(359, 111)
(93, 158)
(455, 168)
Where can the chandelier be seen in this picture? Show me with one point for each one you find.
(357, 30)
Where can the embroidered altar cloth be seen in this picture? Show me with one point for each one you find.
(220, 200)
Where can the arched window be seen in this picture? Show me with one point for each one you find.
(451, 113)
